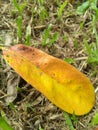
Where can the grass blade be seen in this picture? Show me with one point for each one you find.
(60, 11)
(68, 121)
(46, 34)
(4, 124)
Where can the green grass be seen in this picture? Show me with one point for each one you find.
(94, 120)
(28, 105)
(41, 128)
(19, 21)
(19, 25)
(42, 11)
(92, 48)
(46, 35)
(92, 51)
(61, 9)
(69, 60)
(4, 125)
(19, 7)
(68, 121)
(47, 38)
(12, 107)
(71, 120)
(28, 34)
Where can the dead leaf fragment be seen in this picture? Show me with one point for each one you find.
(12, 83)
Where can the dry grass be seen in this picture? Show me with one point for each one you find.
(30, 110)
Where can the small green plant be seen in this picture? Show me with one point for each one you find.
(61, 9)
(41, 128)
(92, 51)
(90, 5)
(20, 8)
(94, 120)
(68, 121)
(29, 106)
(54, 38)
(12, 106)
(41, 2)
(46, 37)
(76, 44)
(69, 60)
(4, 125)
(82, 9)
(43, 13)
(58, 2)
(74, 119)
(28, 35)
(19, 25)
(65, 38)
(19, 89)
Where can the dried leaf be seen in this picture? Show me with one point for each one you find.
(60, 82)
(12, 83)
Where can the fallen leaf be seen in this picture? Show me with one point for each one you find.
(59, 81)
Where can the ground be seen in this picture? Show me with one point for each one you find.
(30, 110)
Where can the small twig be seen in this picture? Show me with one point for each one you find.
(81, 67)
(6, 95)
(81, 58)
(7, 69)
(2, 92)
(96, 90)
(81, 124)
(96, 79)
(39, 27)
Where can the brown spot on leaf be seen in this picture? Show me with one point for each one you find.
(38, 66)
(15, 55)
(45, 63)
(33, 53)
(7, 55)
(23, 48)
(41, 74)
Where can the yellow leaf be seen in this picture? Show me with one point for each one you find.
(59, 81)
